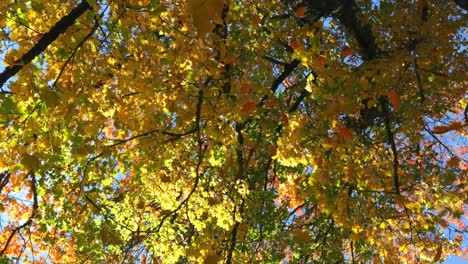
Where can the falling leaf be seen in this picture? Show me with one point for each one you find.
(394, 99)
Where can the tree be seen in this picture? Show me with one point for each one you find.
(206, 131)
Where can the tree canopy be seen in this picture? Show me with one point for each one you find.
(227, 131)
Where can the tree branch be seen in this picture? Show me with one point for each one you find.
(418, 79)
(4, 179)
(233, 243)
(288, 69)
(275, 61)
(198, 174)
(463, 4)
(49, 37)
(31, 217)
(391, 141)
(362, 32)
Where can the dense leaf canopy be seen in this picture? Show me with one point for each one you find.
(206, 131)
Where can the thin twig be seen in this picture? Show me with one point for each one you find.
(31, 217)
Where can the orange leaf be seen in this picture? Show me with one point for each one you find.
(438, 254)
(256, 20)
(321, 58)
(284, 117)
(394, 98)
(272, 149)
(346, 53)
(294, 45)
(441, 129)
(453, 162)
(345, 132)
(271, 103)
(229, 59)
(455, 125)
(249, 107)
(245, 88)
(300, 11)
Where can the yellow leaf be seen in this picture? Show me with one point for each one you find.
(212, 259)
(2, 165)
(30, 162)
(203, 12)
(301, 236)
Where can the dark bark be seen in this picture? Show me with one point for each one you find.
(288, 69)
(349, 16)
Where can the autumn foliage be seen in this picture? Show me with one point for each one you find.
(226, 131)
